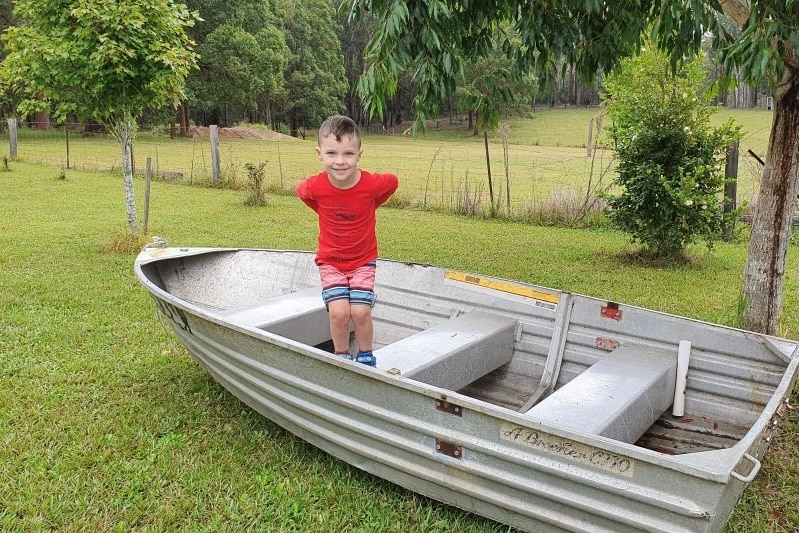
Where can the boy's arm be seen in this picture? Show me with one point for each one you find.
(390, 184)
(305, 195)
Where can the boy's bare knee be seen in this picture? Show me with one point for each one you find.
(339, 313)
(360, 313)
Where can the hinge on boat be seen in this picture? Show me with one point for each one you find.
(449, 408)
(447, 448)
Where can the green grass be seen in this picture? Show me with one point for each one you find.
(107, 425)
(547, 159)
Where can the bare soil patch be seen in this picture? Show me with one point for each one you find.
(240, 132)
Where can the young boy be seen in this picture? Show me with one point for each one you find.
(345, 199)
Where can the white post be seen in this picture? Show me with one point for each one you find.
(683, 357)
(215, 168)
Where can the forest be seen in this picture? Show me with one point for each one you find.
(290, 63)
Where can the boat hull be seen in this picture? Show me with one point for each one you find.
(488, 458)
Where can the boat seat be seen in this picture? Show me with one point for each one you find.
(454, 353)
(300, 316)
(619, 396)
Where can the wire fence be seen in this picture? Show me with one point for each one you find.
(527, 182)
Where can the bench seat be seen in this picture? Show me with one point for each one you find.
(619, 396)
(454, 353)
(300, 316)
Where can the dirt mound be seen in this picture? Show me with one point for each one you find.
(240, 132)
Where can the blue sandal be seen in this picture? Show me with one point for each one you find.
(366, 358)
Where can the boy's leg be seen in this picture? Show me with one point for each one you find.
(364, 330)
(336, 295)
(364, 333)
(339, 313)
(362, 298)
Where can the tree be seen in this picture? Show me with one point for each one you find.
(670, 170)
(8, 100)
(315, 79)
(353, 37)
(232, 70)
(250, 16)
(431, 36)
(490, 89)
(274, 60)
(767, 50)
(105, 61)
(6, 15)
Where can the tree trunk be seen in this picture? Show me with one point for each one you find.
(41, 120)
(771, 227)
(183, 115)
(488, 168)
(123, 131)
(267, 113)
(294, 124)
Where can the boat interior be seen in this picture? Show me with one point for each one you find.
(578, 362)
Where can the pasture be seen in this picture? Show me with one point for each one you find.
(542, 164)
(107, 425)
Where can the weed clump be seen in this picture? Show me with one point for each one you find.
(124, 242)
(255, 191)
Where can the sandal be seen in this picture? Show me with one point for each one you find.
(366, 358)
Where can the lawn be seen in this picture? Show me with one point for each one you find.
(548, 167)
(107, 425)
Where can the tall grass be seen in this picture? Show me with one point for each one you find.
(107, 425)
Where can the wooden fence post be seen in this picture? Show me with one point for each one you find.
(215, 168)
(730, 187)
(66, 139)
(12, 138)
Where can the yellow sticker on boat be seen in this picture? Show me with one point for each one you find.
(501, 286)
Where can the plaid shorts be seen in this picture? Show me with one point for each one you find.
(357, 286)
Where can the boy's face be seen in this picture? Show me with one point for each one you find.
(340, 159)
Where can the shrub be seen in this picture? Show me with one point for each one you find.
(670, 161)
(256, 195)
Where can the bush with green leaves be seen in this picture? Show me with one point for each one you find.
(255, 195)
(670, 173)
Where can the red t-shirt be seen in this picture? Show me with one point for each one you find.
(347, 238)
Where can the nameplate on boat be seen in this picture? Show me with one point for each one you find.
(543, 299)
(568, 450)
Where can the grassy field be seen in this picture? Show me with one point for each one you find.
(107, 425)
(548, 166)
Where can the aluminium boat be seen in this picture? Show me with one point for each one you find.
(541, 409)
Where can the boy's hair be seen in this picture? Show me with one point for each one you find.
(339, 126)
